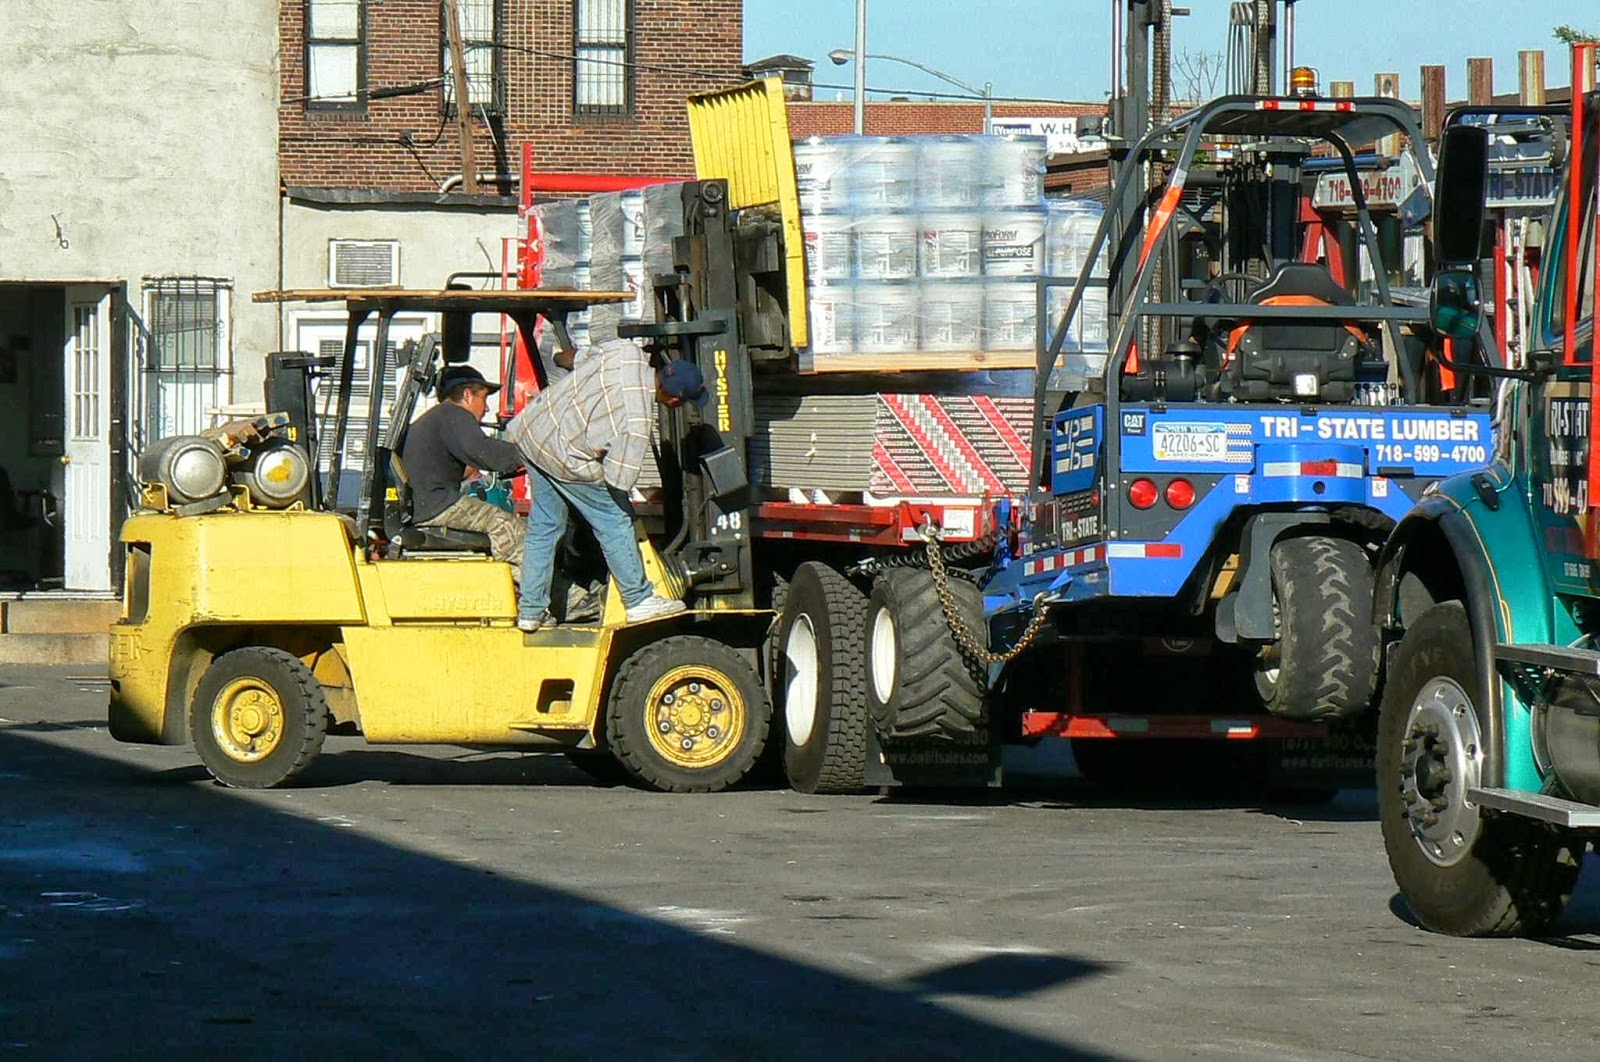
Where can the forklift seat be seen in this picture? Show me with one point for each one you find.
(1294, 360)
(412, 538)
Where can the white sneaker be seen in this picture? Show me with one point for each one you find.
(654, 607)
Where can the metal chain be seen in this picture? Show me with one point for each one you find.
(964, 638)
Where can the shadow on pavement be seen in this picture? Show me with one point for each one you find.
(1345, 805)
(155, 915)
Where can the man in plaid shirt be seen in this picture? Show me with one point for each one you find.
(586, 437)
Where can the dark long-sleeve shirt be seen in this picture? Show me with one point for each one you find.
(439, 447)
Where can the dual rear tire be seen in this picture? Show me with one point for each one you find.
(849, 662)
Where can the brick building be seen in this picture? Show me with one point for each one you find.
(369, 152)
(915, 117)
(593, 85)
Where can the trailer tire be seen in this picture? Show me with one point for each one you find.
(920, 683)
(1324, 665)
(259, 717)
(819, 667)
(687, 715)
(1463, 873)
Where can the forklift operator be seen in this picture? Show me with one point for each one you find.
(442, 446)
(585, 438)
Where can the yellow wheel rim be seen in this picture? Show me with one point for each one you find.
(247, 719)
(695, 716)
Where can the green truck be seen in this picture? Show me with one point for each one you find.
(1488, 592)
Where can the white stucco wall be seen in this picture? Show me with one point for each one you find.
(148, 131)
(434, 241)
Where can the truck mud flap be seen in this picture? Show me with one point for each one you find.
(1246, 614)
(972, 762)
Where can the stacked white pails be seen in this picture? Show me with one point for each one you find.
(910, 239)
(1069, 237)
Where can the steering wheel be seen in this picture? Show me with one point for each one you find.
(1230, 287)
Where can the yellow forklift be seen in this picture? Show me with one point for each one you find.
(265, 605)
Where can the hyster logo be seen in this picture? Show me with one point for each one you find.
(724, 416)
(1133, 423)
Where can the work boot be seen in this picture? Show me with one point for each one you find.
(654, 607)
(582, 606)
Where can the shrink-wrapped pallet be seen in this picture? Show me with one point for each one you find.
(663, 222)
(564, 241)
(902, 235)
(1069, 238)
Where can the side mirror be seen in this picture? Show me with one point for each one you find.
(1455, 305)
(1461, 187)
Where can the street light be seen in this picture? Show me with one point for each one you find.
(841, 56)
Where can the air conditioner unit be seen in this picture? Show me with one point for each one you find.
(363, 263)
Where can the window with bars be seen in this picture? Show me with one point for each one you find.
(185, 358)
(336, 74)
(480, 41)
(602, 82)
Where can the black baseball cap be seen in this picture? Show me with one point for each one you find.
(455, 376)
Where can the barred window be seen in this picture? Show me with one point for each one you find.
(336, 75)
(480, 42)
(602, 83)
(184, 359)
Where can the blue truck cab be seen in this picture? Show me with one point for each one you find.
(1217, 485)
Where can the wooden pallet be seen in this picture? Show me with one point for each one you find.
(918, 361)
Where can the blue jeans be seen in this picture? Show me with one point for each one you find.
(607, 511)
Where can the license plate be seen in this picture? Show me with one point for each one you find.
(1190, 442)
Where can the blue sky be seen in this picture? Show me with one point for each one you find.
(1059, 49)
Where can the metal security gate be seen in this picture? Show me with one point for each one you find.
(185, 368)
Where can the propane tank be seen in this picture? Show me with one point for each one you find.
(190, 467)
(275, 474)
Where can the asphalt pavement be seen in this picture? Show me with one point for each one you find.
(447, 903)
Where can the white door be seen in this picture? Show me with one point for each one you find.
(87, 457)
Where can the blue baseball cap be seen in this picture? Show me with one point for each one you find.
(682, 379)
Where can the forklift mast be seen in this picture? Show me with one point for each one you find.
(722, 308)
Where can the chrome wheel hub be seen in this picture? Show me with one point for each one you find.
(1442, 759)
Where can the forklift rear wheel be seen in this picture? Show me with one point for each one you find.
(921, 683)
(259, 717)
(1461, 872)
(687, 715)
(1324, 665)
(823, 681)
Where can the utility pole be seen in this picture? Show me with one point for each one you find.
(458, 65)
(861, 68)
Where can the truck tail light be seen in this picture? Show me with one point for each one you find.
(1143, 493)
(1180, 494)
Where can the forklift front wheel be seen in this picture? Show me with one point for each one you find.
(259, 718)
(687, 715)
